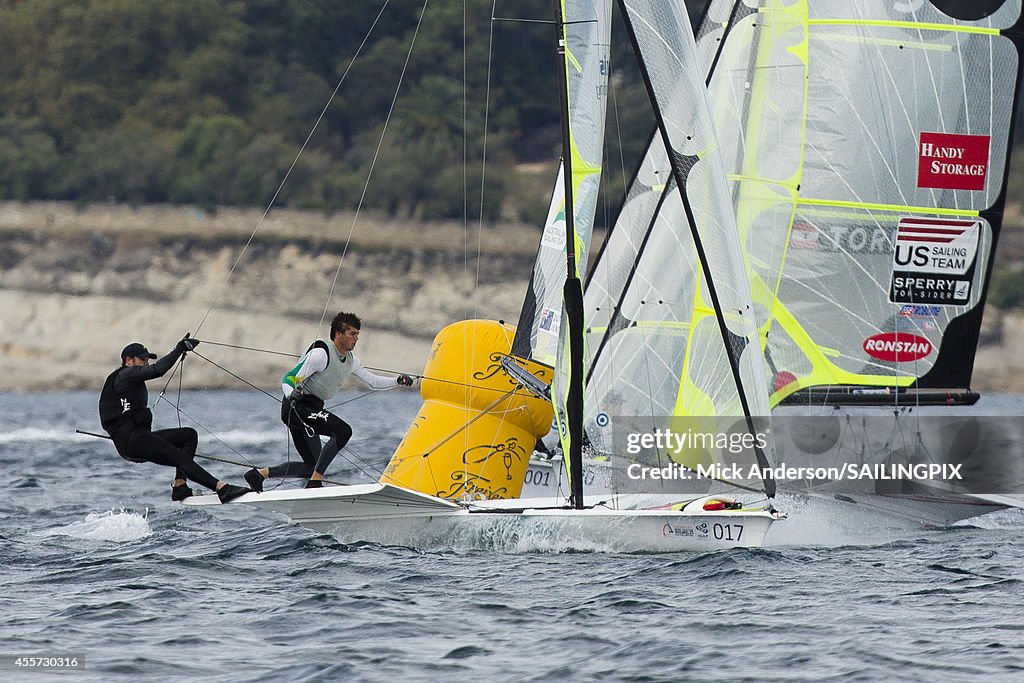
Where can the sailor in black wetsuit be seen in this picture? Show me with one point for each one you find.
(125, 415)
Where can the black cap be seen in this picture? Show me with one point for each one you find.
(136, 350)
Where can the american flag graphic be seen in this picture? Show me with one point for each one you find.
(935, 230)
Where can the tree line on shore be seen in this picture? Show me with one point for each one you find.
(208, 102)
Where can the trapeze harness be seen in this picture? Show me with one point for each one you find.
(321, 371)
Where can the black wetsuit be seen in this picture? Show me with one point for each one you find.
(307, 420)
(125, 415)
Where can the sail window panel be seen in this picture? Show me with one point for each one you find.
(717, 227)
(787, 354)
(839, 293)
(669, 59)
(539, 321)
(667, 53)
(666, 298)
(691, 138)
(612, 272)
(586, 199)
(587, 44)
(640, 377)
(708, 387)
(645, 345)
(719, 11)
(757, 97)
(707, 48)
(705, 392)
(612, 275)
(876, 83)
(925, 11)
(664, 282)
(874, 90)
(764, 215)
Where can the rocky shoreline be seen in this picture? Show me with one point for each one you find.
(76, 285)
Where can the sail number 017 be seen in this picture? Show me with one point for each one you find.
(727, 532)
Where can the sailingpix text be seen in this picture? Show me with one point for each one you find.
(848, 471)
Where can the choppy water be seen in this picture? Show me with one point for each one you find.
(99, 563)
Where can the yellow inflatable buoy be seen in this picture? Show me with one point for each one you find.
(473, 436)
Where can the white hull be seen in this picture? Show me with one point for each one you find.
(391, 515)
(546, 479)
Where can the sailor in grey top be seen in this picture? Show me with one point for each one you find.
(314, 380)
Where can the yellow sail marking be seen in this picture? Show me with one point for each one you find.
(823, 370)
(909, 25)
(896, 208)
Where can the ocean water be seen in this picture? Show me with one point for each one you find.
(99, 564)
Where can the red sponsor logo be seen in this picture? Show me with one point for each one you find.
(897, 347)
(952, 162)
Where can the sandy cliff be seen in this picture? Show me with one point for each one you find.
(77, 285)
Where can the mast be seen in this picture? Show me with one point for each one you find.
(572, 290)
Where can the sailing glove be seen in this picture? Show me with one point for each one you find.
(187, 343)
(404, 380)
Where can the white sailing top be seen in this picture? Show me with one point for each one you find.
(316, 360)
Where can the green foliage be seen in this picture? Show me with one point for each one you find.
(28, 159)
(209, 102)
(1006, 290)
(127, 163)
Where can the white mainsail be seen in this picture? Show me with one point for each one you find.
(674, 334)
(867, 173)
(610, 273)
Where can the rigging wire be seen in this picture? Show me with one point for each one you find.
(247, 463)
(483, 157)
(179, 367)
(292, 355)
(170, 378)
(463, 429)
(251, 348)
(238, 377)
(376, 471)
(198, 455)
(288, 173)
(473, 301)
(373, 163)
(262, 391)
(229, 461)
(181, 380)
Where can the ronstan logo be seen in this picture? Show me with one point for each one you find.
(897, 347)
